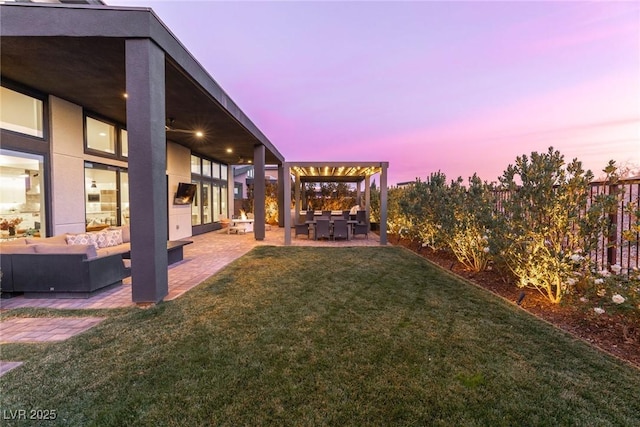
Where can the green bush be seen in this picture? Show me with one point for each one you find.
(423, 204)
(541, 232)
(549, 228)
(471, 222)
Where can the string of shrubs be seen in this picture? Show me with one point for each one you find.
(537, 224)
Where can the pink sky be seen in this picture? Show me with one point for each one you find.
(459, 87)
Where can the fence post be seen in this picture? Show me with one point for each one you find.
(612, 253)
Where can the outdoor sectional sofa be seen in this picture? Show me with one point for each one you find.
(65, 266)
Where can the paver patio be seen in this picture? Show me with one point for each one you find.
(208, 254)
(44, 329)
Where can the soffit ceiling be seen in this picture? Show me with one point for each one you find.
(90, 71)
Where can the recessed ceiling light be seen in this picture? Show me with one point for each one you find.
(199, 134)
(229, 150)
(125, 95)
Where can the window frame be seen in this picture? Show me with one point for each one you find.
(117, 134)
(40, 96)
(214, 183)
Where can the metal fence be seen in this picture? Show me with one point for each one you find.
(614, 248)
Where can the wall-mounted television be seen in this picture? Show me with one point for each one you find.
(185, 194)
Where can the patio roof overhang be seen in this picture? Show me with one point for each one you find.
(77, 53)
(94, 55)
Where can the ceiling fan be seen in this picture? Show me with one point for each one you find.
(169, 128)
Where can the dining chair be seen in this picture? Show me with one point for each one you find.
(323, 229)
(326, 213)
(302, 229)
(345, 214)
(361, 216)
(340, 229)
(361, 229)
(310, 215)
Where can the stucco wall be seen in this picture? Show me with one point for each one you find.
(67, 173)
(178, 170)
(67, 167)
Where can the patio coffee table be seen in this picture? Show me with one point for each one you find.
(175, 251)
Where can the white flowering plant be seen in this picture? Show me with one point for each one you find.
(613, 289)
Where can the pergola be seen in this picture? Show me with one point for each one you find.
(355, 172)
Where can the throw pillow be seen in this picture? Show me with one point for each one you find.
(101, 239)
(82, 239)
(113, 237)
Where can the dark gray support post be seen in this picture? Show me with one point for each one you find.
(304, 198)
(145, 85)
(281, 205)
(286, 184)
(383, 204)
(297, 202)
(367, 199)
(230, 192)
(612, 250)
(259, 192)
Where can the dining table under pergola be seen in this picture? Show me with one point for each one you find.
(358, 173)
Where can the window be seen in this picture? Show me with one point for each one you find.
(223, 199)
(195, 165)
(21, 113)
(106, 196)
(100, 136)
(22, 193)
(106, 139)
(206, 167)
(211, 194)
(206, 202)
(124, 198)
(195, 205)
(237, 190)
(124, 143)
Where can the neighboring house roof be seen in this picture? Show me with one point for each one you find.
(241, 170)
(98, 2)
(78, 52)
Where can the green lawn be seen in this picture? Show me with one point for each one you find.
(323, 336)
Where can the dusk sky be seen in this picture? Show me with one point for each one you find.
(459, 87)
